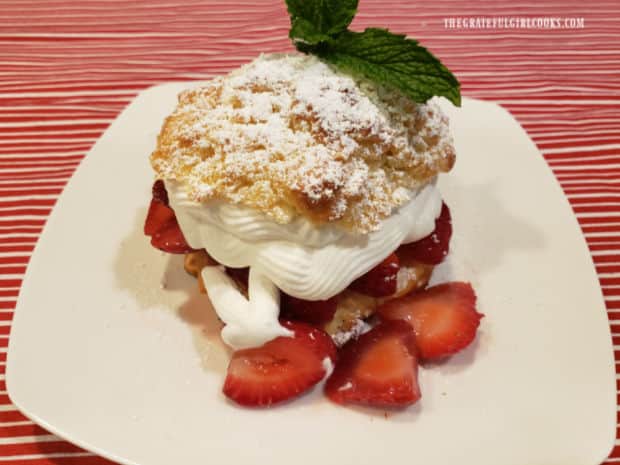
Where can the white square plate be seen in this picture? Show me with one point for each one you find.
(110, 342)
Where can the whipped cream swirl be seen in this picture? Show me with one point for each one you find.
(304, 260)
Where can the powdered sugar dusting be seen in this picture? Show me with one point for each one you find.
(288, 135)
(342, 337)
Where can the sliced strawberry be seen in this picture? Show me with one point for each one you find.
(434, 247)
(320, 342)
(159, 192)
(170, 238)
(158, 215)
(444, 317)
(380, 368)
(381, 280)
(316, 312)
(161, 223)
(278, 370)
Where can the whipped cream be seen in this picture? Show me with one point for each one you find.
(304, 260)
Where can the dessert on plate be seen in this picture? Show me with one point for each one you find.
(304, 197)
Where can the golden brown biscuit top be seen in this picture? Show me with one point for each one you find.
(288, 135)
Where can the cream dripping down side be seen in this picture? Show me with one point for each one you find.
(299, 258)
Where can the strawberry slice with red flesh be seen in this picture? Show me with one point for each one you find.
(170, 238)
(320, 342)
(158, 216)
(161, 223)
(443, 317)
(381, 281)
(316, 312)
(159, 192)
(279, 369)
(433, 248)
(378, 369)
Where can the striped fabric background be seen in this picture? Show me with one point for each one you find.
(67, 68)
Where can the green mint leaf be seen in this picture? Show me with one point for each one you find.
(320, 27)
(314, 21)
(392, 60)
(303, 32)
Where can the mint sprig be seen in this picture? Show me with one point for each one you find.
(320, 27)
(316, 21)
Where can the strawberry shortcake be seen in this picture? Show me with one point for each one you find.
(306, 203)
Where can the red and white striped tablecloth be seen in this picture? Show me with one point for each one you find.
(67, 68)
